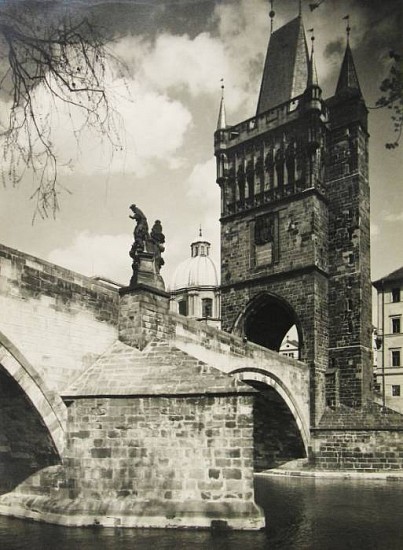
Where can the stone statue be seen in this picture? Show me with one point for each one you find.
(157, 242)
(140, 232)
(147, 247)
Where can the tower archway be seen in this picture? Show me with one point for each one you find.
(266, 321)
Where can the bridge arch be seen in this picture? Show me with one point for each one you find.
(266, 320)
(257, 377)
(32, 420)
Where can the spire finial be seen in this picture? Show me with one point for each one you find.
(272, 13)
(222, 122)
(300, 8)
(312, 40)
(200, 231)
(348, 28)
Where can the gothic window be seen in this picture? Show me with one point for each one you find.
(395, 294)
(183, 307)
(250, 178)
(241, 184)
(269, 167)
(207, 307)
(280, 167)
(290, 163)
(395, 325)
(222, 166)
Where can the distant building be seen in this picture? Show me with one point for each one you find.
(389, 367)
(289, 348)
(195, 285)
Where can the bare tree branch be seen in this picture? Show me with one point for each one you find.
(67, 56)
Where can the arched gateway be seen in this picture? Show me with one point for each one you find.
(266, 320)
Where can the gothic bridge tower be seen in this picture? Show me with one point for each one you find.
(295, 220)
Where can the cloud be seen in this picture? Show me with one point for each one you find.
(389, 217)
(96, 255)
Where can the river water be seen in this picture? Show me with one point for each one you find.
(314, 514)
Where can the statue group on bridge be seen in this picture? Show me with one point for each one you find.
(145, 242)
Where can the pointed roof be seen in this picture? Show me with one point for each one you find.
(312, 72)
(222, 119)
(285, 71)
(348, 79)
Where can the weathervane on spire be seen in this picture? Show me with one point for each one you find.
(312, 39)
(272, 13)
(348, 28)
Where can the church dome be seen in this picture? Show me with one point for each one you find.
(197, 271)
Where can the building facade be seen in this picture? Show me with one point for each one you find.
(295, 243)
(194, 288)
(389, 367)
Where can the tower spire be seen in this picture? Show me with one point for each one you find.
(222, 120)
(348, 80)
(312, 73)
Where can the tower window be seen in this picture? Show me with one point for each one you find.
(396, 358)
(395, 325)
(396, 391)
(207, 307)
(395, 294)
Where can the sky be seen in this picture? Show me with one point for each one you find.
(176, 52)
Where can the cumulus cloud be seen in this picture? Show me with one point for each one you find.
(96, 255)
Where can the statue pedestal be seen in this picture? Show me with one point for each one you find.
(145, 274)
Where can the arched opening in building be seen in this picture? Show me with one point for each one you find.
(268, 320)
(25, 442)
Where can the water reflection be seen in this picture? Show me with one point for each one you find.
(311, 514)
(332, 514)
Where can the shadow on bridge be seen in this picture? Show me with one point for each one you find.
(32, 419)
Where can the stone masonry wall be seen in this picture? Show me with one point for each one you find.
(350, 294)
(369, 438)
(301, 242)
(46, 310)
(160, 457)
(360, 450)
(131, 447)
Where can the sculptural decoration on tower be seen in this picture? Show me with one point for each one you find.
(146, 246)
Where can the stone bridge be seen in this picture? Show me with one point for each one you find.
(250, 363)
(47, 310)
(102, 397)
